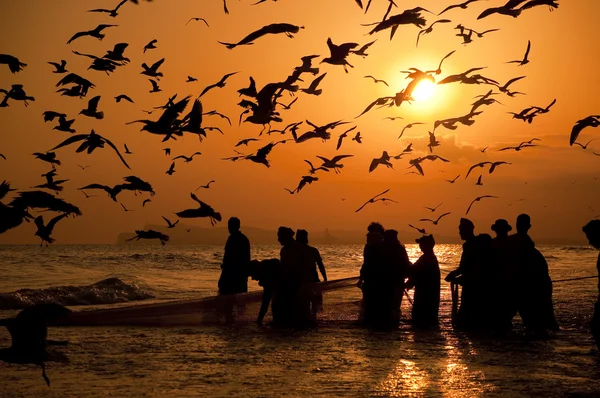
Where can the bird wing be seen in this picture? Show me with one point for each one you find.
(528, 48)
(167, 220)
(117, 151)
(443, 215)
(71, 140)
(78, 35)
(154, 84)
(469, 208)
(315, 83)
(53, 222)
(157, 64)
(337, 158)
(93, 103)
(511, 81)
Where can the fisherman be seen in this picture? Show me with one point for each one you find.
(396, 265)
(234, 270)
(474, 305)
(266, 273)
(592, 232)
(371, 275)
(291, 304)
(424, 276)
(501, 278)
(534, 285)
(316, 305)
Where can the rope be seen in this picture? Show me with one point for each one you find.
(575, 279)
(454, 290)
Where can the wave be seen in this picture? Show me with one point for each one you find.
(107, 291)
(577, 248)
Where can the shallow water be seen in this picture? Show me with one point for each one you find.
(336, 359)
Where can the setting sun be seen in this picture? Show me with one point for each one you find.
(424, 90)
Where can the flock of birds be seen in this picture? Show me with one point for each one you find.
(260, 106)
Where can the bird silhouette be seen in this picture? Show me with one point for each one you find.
(121, 97)
(90, 142)
(305, 180)
(151, 45)
(477, 199)
(167, 151)
(171, 169)
(16, 93)
(206, 186)
(312, 89)
(452, 181)
(504, 88)
(338, 54)
(198, 19)
(215, 113)
(82, 85)
(287, 107)
(376, 198)
(45, 230)
(590, 121)
(125, 209)
(384, 160)
(59, 68)
(288, 29)
(361, 51)
(407, 17)
(127, 151)
(433, 209)
(96, 32)
(584, 146)
(245, 141)
(152, 71)
(146, 201)
(506, 9)
(342, 136)
(169, 223)
(49, 157)
(433, 142)
(376, 80)
(112, 13)
(92, 109)
(333, 162)
(204, 210)
(155, 86)
(219, 84)
(525, 59)
(313, 170)
(435, 222)
(430, 28)
(421, 230)
(479, 181)
(408, 126)
(29, 331)
(191, 79)
(13, 63)
(416, 163)
(461, 5)
(187, 159)
(150, 234)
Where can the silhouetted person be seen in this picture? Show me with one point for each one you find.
(396, 265)
(501, 278)
(472, 311)
(424, 276)
(234, 274)
(371, 275)
(534, 283)
(291, 303)
(316, 304)
(592, 232)
(266, 273)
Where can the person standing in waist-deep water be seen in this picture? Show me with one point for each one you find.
(592, 232)
(534, 285)
(371, 275)
(234, 270)
(316, 305)
(501, 280)
(396, 265)
(424, 276)
(474, 303)
(291, 303)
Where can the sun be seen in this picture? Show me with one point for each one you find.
(424, 90)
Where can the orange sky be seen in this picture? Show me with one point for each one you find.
(555, 183)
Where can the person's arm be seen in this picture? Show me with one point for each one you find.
(321, 265)
(264, 306)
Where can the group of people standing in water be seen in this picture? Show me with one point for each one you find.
(499, 276)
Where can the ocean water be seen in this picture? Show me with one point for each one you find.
(338, 358)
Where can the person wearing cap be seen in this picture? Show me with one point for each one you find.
(592, 232)
(533, 284)
(291, 301)
(316, 304)
(424, 276)
(474, 259)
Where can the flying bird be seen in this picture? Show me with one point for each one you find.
(313, 170)
(312, 89)
(187, 159)
(590, 121)
(152, 71)
(171, 169)
(376, 80)
(155, 86)
(206, 186)
(376, 198)
(90, 142)
(477, 199)
(338, 54)
(92, 109)
(479, 181)
(408, 126)
(461, 5)
(169, 223)
(45, 230)
(96, 32)
(59, 68)
(288, 29)
(525, 59)
(433, 209)
(151, 45)
(219, 84)
(198, 19)
(452, 181)
(121, 97)
(435, 222)
(584, 146)
(13, 63)
(430, 28)
(421, 230)
(384, 160)
(204, 210)
(112, 13)
(333, 162)
(150, 234)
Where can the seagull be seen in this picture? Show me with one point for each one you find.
(150, 45)
(13, 63)
(384, 160)
(421, 230)
(313, 170)
(590, 121)
(207, 186)
(453, 180)
(376, 80)
(342, 136)
(430, 28)
(198, 19)
(204, 210)
(374, 199)
(305, 180)
(461, 5)
(525, 59)
(339, 53)
(245, 141)
(150, 234)
(504, 88)
(44, 231)
(484, 149)
(191, 79)
(439, 69)
(361, 51)
(408, 126)
(169, 223)
(276, 28)
(28, 331)
(220, 83)
(167, 151)
(92, 109)
(186, 158)
(112, 13)
(312, 89)
(90, 143)
(435, 222)
(333, 162)
(49, 157)
(146, 201)
(584, 146)
(287, 107)
(357, 138)
(546, 109)
(94, 33)
(121, 97)
(479, 181)
(155, 87)
(124, 208)
(60, 68)
(152, 71)
(433, 209)
(171, 169)
(477, 199)
(127, 151)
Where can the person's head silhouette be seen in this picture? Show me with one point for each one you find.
(466, 228)
(523, 224)
(426, 243)
(592, 232)
(285, 235)
(501, 227)
(233, 225)
(302, 236)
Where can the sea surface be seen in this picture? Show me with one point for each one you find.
(337, 358)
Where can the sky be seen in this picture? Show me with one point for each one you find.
(553, 182)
